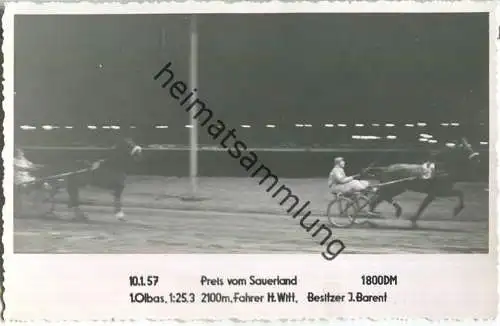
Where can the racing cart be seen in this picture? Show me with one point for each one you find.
(35, 191)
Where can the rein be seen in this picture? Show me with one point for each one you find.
(396, 181)
(134, 150)
(62, 175)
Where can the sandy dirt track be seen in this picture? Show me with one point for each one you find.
(236, 215)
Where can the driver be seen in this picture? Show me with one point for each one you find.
(22, 168)
(339, 182)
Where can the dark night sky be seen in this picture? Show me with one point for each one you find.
(255, 69)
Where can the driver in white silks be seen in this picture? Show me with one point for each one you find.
(22, 168)
(338, 182)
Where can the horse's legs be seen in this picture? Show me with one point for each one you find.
(381, 196)
(375, 201)
(54, 189)
(461, 203)
(74, 197)
(429, 199)
(117, 196)
(454, 193)
(397, 207)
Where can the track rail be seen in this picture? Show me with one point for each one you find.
(218, 149)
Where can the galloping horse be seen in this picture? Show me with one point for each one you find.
(109, 173)
(445, 167)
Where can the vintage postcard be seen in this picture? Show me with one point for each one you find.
(246, 161)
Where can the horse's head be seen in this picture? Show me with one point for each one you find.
(468, 151)
(128, 147)
(462, 154)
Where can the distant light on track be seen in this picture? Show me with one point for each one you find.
(390, 125)
(307, 125)
(48, 127)
(451, 145)
(161, 127)
(444, 124)
(376, 124)
(455, 124)
(115, 127)
(329, 125)
(363, 137)
(427, 136)
(410, 125)
(433, 141)
(391, 137)
(421, 124)
(68, 127)
(27, 127)
(245, 126)
(188, 126)
(270, 126)
(483, 143)
(106, 127)
(92, 127)
(359, 125)
(299, 125)
(341, 125)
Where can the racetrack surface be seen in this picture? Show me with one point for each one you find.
(235, 215)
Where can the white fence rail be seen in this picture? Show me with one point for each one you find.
(219, 149)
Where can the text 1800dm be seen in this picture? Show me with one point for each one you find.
(349, 297)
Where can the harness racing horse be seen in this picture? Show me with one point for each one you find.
(436, 178)
(109, 173)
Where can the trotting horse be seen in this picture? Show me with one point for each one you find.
(446, 166)
(109, 173)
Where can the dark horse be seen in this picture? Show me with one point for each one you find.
(447, 167)
(108, 173)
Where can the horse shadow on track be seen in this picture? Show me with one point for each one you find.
(186, 198)
(89, 222)
(373, 225)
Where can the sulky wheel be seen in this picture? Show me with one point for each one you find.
(341, 212)
(363, 207)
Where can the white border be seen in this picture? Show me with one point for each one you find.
(188, 7)
(35, 284)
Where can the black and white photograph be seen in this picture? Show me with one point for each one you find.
(272, 161)
(311, 133)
